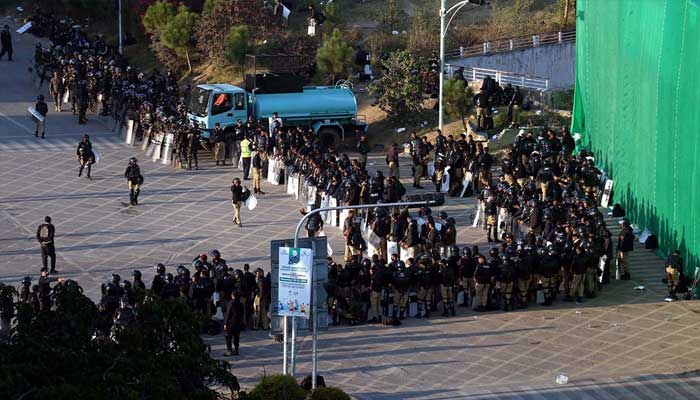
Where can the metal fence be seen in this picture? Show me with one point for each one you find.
(503, 45)
(502, 77)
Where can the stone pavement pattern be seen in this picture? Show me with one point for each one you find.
(623, 344)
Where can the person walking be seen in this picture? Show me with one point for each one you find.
(6, 42)
(625, 244)
(237, 200)
(56, 90)
(246, 154)
(233, 323)
(42, 109)
(45, 235)
(134, 180)
(85, 156)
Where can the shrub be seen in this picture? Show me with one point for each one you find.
(329, 393)
(278, 387)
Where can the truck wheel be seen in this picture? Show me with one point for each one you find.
(329, 137)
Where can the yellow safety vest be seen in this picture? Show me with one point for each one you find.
(245, 149)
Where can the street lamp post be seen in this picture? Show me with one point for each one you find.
(443, 32)
(121, 47)
(314, 309)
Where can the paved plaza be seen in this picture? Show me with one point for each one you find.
(624, 344)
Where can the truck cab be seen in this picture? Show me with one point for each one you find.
(217, 103)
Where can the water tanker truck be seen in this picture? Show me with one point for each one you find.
(331, 111)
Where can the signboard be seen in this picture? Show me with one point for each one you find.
(294, 279)
(320, 278)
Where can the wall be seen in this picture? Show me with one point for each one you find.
(553, 61)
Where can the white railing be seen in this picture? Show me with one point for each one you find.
(503, 45)
(502, 77)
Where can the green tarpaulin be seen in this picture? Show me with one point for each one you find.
(637, 105)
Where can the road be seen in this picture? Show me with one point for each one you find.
(624, 344)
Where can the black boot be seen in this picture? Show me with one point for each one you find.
(136, 196)
(131, 197)
(80, 171)
(89, 168)
(444, 310)
(452, 309)
(402, 314)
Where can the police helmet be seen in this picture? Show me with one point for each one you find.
(401, 264)
(169, 277)
(27, 280)
(126, 284)
(133, 160)
(160, 268)
(494, 252)
(366, 263)
(136, 274)
(116, 278)
(466, 251)
(442, 215)
(40, 97)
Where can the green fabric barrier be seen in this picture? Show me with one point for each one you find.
(637, 106)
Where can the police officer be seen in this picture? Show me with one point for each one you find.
(194, 139)
(524, 269)
(42, 109)
(246, 154)
(6, 42)
(400, 282)
(507, 275)
(83, 101)
(233, 324)
(482, 276)
(550, 265)
(217, 138)
(674, 270)
(134, 180)
(85, 156)
(158, 281)
(258, 169)
(45, 235)
(363, 149)
(56, 89)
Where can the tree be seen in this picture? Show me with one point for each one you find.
(424, 35)
(160, 354)
(157, 16)
(391, 16)
(209, 6)
(216, 24)
(399, 92)
(236, 44)
(457, 97)
(177, 34)
(334, 56)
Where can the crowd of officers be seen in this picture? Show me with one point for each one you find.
(92, 76)
(209, 285)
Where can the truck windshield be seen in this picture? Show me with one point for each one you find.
(199, 101)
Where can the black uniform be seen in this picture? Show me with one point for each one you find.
(6, 43)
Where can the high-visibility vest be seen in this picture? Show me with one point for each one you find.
(245, 149)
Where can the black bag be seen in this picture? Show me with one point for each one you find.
(618, 211)
(245, 195)
(652, 242)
